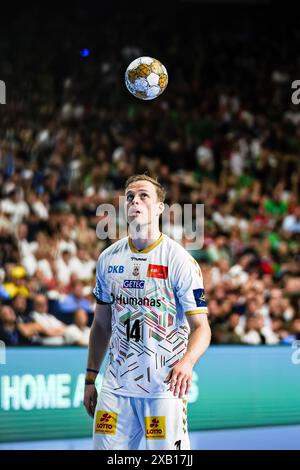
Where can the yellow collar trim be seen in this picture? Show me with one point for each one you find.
(149, 248)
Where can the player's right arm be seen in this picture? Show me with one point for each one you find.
(98, 344)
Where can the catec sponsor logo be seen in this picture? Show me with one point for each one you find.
(133, 284)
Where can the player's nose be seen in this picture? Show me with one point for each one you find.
(135, 200)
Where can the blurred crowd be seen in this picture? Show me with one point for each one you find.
(224, 134)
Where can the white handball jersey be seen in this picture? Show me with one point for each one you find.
(151, 292)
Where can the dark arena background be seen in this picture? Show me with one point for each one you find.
(225, 133)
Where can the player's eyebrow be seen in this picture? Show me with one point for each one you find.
(138, 191)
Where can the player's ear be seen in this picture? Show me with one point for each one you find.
(161, 208)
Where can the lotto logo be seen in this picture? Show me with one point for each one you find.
(154, 423)
(116, 269)
(155, 427)
(106, 422)
(105, 418)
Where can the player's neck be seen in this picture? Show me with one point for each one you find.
(146, 237)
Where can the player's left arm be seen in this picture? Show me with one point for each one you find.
(180, 377)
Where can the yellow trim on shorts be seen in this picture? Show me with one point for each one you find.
(200, 310)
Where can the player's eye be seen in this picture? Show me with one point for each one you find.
(144, 194)
(129, 197)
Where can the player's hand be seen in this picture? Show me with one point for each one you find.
(180, 378)
(90, 399)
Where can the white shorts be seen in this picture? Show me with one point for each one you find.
(123, 423)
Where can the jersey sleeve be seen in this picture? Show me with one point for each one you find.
(189, 287)
(101, 291)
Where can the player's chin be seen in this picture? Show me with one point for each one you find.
(132, 221)
(137, 221)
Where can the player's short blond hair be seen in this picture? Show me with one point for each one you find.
(160, 190)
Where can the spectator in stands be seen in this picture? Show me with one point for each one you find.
(20, 306)
(26, 249)
(16, 282)
(76, 300)
(9, 332)
(14, 204)
(219, 273)
(295, 328)
(78, 333)
(63, 265)
(291, 222)
(26, 324)
(218, 249)
(229, 332)
(256, 332)
(83, 265)
(53, 329)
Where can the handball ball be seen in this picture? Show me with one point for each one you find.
(146, 78)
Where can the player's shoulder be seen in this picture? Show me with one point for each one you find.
(174, 248)
(180, 259)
